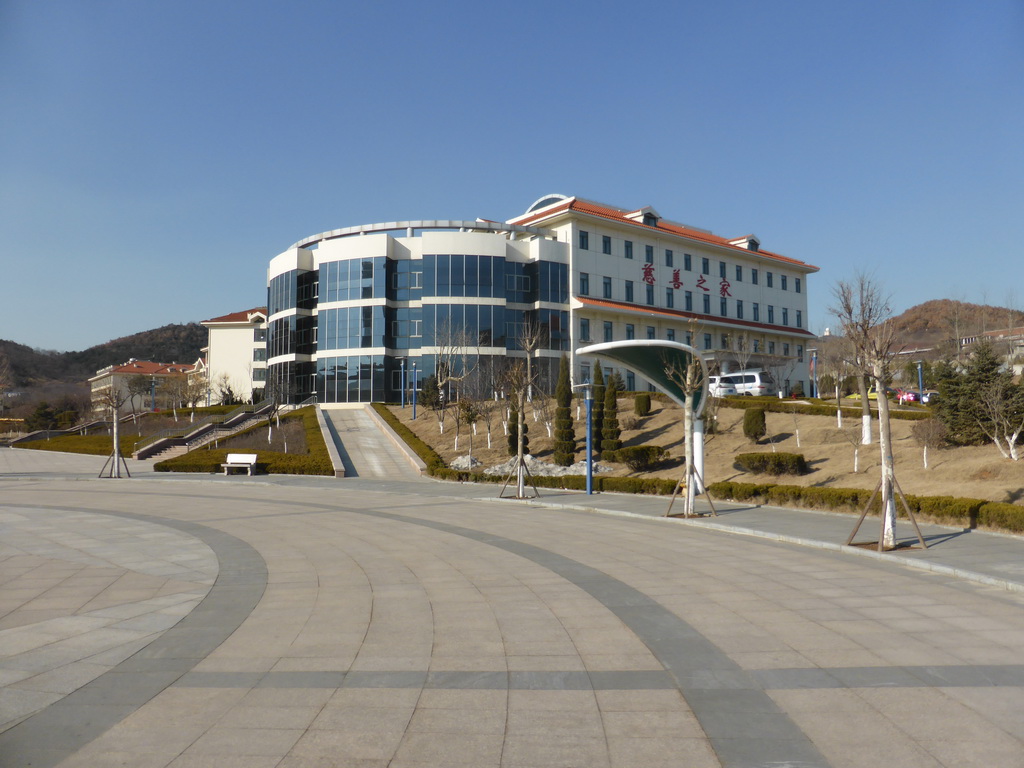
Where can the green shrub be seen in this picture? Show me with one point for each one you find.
(755, 425)
(1004, 517)
(639, 458)
(94, 445)
(429, 456)
(772, 463)
(642, 404)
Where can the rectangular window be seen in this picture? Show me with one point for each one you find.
(668, 258)
(796, 284)
(707, 341)
(799, 319)
(739, 274)
(771, 314)
(650, 295)
(630, 331)
(670, 334)
(687, 262)
(670, 298)
(724, 339)
(757, 312)
(606, 244)
(721, 269)
(630, 381)
(785, 316)
(259, 334)
(782, 281)
(689, 338)
(768, 279)
(606, 287)
(584, 329)
(785, 350)
(650, 332)
(649, 254)
(608, 330)
(799, 353)
(757, 345)
(629, 290)
(723, 307)
(259, 354)
(688, 301)
(705, 266)
(584, 283)
(771, 347)
(739, 309)
(753, 276)
(707, 304)
(584, 240)
(629, 249)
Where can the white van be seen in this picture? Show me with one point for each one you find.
(752, 382)
(719, 388)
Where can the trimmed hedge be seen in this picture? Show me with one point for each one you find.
(813, 408)
(639, 458)
(772, 463)
(316, 461)
(93, 445)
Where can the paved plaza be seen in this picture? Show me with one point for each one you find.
(211, 621)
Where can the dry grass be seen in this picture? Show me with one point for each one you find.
(974, 472)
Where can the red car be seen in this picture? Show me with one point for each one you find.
(907, 396)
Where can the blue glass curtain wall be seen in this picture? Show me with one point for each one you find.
(351, 379)
(353, 279)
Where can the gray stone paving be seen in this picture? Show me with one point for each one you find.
(306, 622)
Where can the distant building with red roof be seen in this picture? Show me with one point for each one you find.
(235, 356)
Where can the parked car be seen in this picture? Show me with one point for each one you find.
(752, 382)
(906, 395)
(929, 396)
(873, 394)
(719, 386)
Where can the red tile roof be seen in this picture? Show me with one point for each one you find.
(678, 314)
(238, 317)
(619, 216)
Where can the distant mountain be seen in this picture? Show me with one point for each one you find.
(942, 319)
(171, 343)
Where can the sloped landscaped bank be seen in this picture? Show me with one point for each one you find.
(946, 510)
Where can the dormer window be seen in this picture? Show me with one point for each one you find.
(646, 216)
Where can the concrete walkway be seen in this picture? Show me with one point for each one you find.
(364, 448)
(285, 621)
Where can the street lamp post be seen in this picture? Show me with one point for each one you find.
(403, 383)
(920, 382)
(414, 391)
(588, 396)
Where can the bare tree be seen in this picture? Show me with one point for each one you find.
(520, 381)
(865, 317)
(689, 377)
(834, 358)
(929, 433)
(113, 399)
(457, 355)
(1001, 402)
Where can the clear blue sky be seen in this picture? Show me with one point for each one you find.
(155, 156)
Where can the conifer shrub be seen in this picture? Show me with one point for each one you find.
(755, 425)
(565, 434)
(642, 404)
(772, 463)
(610, 432)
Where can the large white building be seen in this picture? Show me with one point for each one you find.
(350, 310)
(236, 355)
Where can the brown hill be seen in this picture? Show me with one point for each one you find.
(942, 319)
(34, 368)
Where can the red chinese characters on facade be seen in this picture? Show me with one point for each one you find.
(649, 274)
(701, 283)
(676, 282)
(723, 288)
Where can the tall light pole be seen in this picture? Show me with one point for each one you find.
(414, 391)
(920, 382)
(403, 382)
(588, 396)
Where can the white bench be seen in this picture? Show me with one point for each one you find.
(244, 461)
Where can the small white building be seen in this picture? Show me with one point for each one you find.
(236, 355)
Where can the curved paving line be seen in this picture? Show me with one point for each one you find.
(745, 726)
(53, 734)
